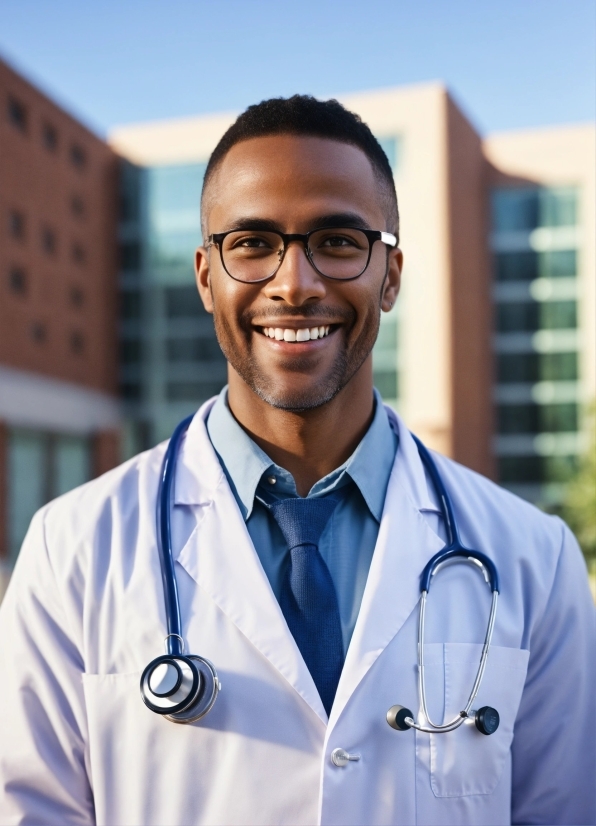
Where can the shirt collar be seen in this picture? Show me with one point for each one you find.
(245, 464)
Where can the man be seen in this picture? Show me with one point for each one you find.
(302, 519)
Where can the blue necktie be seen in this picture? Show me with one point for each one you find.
(308, 599)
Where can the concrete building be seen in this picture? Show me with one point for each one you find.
(59, 413)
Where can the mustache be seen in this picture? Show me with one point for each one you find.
(323, 313)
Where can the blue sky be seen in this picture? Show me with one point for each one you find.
(510, 64)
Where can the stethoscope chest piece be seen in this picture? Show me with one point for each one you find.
(181, 688)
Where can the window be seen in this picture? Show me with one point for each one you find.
(16, 224)
(78, 157)
(558, 207)
(39, 332)
(17, 114)
(533, 367)
(48, 240)
(76, 296)
(77, 342)
(130, 304)
(130, 351)
(515, 209)
(558, 264)
(77, 206)
(518, 418)
(183, 302)
(192, 349)
(130, 391)
(49, 137)
(17, 280)
(78, 253)
(516, 266)
(386, 383)
(558, 315)
(533, 418)
(525, 316)
(130, 256)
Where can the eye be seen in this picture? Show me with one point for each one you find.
(337, 241)
(251, 242)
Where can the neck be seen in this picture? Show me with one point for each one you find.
(312, 443)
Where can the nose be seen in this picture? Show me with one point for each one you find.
(296, 282)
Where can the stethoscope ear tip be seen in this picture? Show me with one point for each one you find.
(397, 717)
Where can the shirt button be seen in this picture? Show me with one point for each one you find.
(272, 480)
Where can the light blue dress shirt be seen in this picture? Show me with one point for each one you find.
(348, 541)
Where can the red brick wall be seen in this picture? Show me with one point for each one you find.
(58, 309)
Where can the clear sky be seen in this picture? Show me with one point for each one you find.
(509, 63)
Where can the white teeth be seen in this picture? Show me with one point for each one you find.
(303, 334)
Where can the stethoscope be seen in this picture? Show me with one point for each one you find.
(183, 687)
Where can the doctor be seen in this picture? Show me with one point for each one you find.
(302, 518)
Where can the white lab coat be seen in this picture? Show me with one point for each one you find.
(84, 614)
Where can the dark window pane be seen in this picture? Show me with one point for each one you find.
(558, 418)
(17, 114)
(558, 315)
(558, 264)
(17, 280)
(48, 240)
(533, 367)
(183, 302)
(39, 332)
(76, 296)
(49, 137)
(16, 224)
(131, 391)
(78, 158)
(189, 391)
(78, 254)
(77, 206)
(130, 351)
(193, 349)
(520, 469)
(519, 316)
(518, 418)
(515, 209)
(516, 266)
(130, 256)
(130, 304)
(76, 341)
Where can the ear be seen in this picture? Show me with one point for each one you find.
(203, 278)
(392, 281)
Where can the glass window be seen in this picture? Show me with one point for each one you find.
(130, 351)
(17, 280)
(131, 391)
(533, 367)
(183, 302)
(515, 209)
(130, 256)
(72, 463)
(17, 114)
(16, 224)
(558, 207)
(193, 391)
(558, 418)
(193, 349)
(518, 418)
(386, 383)
(28, 483)
(520, 316)
(49, 137)
(558, 264)
(78, 157)
(130, 304)
(558, 315)
(175, 215)
(520, 469)
(516, 266)
(558, 367)
(130, 182)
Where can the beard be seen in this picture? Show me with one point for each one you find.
(349, 358)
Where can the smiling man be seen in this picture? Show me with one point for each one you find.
(295, 518)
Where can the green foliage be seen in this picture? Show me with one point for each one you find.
(579, 510)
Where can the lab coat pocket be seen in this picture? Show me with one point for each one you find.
(465, 761)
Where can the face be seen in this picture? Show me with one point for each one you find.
(296, 184)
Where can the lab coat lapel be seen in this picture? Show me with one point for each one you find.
(221, 558)
(405, 544)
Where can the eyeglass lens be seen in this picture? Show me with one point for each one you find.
(250, 255)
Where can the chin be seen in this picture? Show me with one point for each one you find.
(297, 401)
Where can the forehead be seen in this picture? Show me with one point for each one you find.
(285, 177)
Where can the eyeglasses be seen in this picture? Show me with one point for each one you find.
(340, 253)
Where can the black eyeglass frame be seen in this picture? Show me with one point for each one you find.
(372, 235)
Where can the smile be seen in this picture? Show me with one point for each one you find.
(290, 334)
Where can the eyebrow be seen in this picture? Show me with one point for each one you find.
(337, 219)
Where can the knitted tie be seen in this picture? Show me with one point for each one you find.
(308, 599)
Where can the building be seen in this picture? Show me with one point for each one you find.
(59, 413)
(489, 354)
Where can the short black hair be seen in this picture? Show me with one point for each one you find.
(305, 115)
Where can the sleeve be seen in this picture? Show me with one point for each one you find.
(43, 772)
(554, 748)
